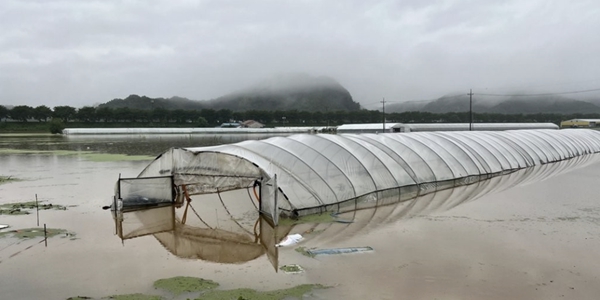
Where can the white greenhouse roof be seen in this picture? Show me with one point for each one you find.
(366, 126)
(475, 126)
(325, 172)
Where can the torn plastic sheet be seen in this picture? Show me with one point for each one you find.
(291, 239)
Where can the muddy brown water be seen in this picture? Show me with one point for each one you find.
(534, 241)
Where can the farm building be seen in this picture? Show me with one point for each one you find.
(576, 123)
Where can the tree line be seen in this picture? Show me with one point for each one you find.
(211, 117)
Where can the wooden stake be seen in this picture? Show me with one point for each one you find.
(37, 210)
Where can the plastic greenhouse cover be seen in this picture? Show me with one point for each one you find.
(320, 171)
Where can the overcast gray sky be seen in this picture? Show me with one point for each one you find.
(80, 53)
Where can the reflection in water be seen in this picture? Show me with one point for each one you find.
(199, 240)
(228, 229)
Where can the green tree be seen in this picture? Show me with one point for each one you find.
(201, 122)
(64, 113)
(56, 126)
(105, 114)
(210, 115)
(86, 114)
(159, 114)
(42, 113)
(21, 112)
(3, 112)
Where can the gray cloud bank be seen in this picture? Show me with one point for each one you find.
(79, 53)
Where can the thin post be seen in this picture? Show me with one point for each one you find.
(37, 210)
(45, 236)
(383, 102)
(470, 109)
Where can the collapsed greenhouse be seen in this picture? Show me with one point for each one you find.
(305, 174)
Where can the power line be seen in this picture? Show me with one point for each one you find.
(541, 94)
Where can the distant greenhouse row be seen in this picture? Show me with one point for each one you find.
(347, 128)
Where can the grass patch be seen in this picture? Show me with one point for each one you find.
(22, 208)
(246, 294)
(181, 284)
(29, 233)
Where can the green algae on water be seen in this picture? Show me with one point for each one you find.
(29, 233)
(304, 251)
(7, 179)
(21, 208)
(181, 284)
(204, 289)
(291, 269)
(102, 157)
(296, 292)
(134, 297)
(316, 218)
(88, 155)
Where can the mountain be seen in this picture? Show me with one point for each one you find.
(283, 92)
(500, 105)
(143, 102)
(544, 104)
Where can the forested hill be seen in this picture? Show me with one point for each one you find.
(286, 92)
(495, 105)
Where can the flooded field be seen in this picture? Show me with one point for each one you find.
(534, 241)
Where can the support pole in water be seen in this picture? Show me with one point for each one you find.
(45, 236)
(37, 210)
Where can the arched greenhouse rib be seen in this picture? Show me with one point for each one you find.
(340, 172)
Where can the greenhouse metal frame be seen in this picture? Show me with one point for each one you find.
(310, 173)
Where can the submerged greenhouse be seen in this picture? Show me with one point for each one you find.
(305, 173)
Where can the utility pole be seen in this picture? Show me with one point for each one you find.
(383, 102)
(470, 109)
